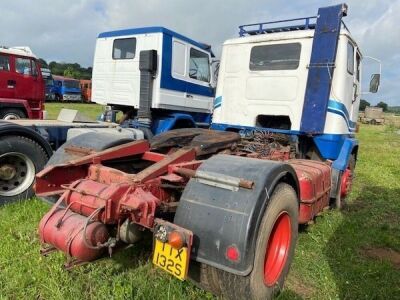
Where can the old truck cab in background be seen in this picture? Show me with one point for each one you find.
(22, 88)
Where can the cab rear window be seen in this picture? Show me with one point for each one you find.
(275, 57)
(4, 63)
(124, 48)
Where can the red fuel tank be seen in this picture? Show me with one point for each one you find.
(315, 185)
(64, 230)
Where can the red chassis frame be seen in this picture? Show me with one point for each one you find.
(87, 185)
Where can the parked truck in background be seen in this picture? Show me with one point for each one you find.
(373, 115)
(159, 79)
(154, 85)
(67, 89)
(224, 205)
(86, 88)
(22, 88)
(49, 84)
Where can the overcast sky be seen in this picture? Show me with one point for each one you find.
(66, 30)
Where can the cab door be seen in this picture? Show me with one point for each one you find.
(7, 77)
(26, 78)
(199, 93)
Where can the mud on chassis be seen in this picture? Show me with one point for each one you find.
(223, 215)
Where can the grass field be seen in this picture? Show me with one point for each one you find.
(352, 254)
(90, 110)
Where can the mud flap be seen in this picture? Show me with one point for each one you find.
(221, 217)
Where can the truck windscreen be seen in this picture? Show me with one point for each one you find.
(71, 84)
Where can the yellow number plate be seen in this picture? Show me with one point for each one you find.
(169, 259)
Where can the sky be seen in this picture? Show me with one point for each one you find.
(66, 31)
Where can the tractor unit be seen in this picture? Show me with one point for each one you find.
(224, 204)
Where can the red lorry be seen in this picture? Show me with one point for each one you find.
(22, 89)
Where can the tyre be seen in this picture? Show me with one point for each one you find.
(20, 159)
(373, 122)
(12, 114)
(274, 251)
(346, 181)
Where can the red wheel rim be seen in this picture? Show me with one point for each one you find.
(277, 249)
(346, 183)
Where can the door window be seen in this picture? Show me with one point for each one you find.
(199, 67)
(34, 68)
(23, 66)
(124, 48)
(4, 63)
(358, 66)
(350, 58)
(179, 58)
(275, 57)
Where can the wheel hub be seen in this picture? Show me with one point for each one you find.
(7, 172)
(11, 116)
(346, 183)
(277, 249)
(17, 173)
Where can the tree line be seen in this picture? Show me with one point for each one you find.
(74, 70)
(383, 105)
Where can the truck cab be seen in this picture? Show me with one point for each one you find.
(86, 88)
(179, 89)
(66, 89)
(275, 77)
(49, 84)
(22, 89)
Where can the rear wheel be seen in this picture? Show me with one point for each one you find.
(274, 253)
(345, 183)
(12, 114)
(20, 159)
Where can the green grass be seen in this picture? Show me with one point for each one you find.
(330, 260)
(90, 110)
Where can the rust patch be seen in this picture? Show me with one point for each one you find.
(387, 254)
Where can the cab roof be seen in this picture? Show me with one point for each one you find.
(154, 29)
(21, 51)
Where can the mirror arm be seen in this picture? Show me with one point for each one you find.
(378, 61)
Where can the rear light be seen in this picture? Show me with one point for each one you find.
(232, 253)
(176, 239)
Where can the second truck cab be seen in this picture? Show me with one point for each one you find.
(22, 87)
(66, 89)
(152, 72)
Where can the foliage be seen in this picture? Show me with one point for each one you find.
(364, 104)
(74, 70)
(383, 105)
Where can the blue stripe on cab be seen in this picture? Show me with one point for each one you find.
(340, 109)
(217, 102)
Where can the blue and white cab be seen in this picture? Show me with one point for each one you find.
(301, 79)
(181, 83)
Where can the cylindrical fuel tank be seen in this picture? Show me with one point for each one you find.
(68, 236)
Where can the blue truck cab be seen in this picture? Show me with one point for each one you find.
(158, 78)
(49, 84)
(66, 89)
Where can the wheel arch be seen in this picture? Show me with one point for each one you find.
(220, 218)
(21, 105)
